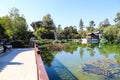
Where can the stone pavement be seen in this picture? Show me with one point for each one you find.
(18, 64)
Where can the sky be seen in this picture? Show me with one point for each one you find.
(64, 12)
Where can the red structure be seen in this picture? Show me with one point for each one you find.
(41, 72)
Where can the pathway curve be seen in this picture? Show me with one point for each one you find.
(18, 64)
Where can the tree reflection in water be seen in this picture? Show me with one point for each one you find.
(104, 49)
(76, 54)
(47, 56)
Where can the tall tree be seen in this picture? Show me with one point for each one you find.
(59, 31)
(6, 22)
(81, 25)
(41, 33)
(2, 32)
(100, 24)
(59, 28)
(18, 23)
(14, 13)
(36, 24)
(14, 24)
(48, 22)
(104, 23)
(117, 19)
(70, 32)
(91, 24)
(90, 28)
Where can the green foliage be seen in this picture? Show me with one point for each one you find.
(104, 23)
(71, 47)
(111, 32)
(40, 33)
(44, 29)
(117, 19)
(70, 32)
(81, 25)
(2, 32)
(90, 28)
(59, 31)
(14, 24)
(43, 41)
(7, 24)
(48, 22)
(18, 44)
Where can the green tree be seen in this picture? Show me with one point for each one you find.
(70, 32)
(18, 23)
(2, 32)
(90, 28)
(81, 52)
(48, 24)
(6, 22)
(111, 32)
(59, 31)
(59, 28)
(40, 33)
(104, 23)
(36, 24)
(117, 19)
(14, 24)
(81, 25)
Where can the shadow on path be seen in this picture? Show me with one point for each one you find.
(9, 56)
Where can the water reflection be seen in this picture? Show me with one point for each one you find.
(59, 72)
(81, 52)
(47, 56)
(77, 55)
(103, 49)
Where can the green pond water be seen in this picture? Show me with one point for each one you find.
(84, 62)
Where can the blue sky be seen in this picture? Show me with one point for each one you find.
(64, 12)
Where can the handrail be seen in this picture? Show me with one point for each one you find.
(41, 72)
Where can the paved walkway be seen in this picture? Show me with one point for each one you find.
(18, 64)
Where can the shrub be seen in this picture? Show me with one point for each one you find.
(17, 44)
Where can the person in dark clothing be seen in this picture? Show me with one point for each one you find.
(4, 46)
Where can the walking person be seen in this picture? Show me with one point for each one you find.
(32, 41)
(4, 45)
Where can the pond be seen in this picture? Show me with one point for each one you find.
(84, 62)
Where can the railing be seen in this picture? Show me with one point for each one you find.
(41, 72)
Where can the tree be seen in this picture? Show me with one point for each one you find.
(41, 33)
(106, 22)
(100, 24)
(6, 22)
(14, 24)
(81, 25)
(70, 32)
(48, 22)
(14, 13)
(59, 31)
(117, 19)
(111, 33)
(91, 24)
(2, 32)
(18, 23)
(90, 28)
(36, 24)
